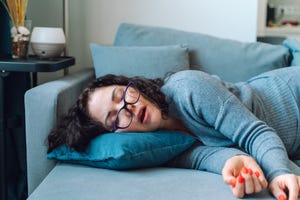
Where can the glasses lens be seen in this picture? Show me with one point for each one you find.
(132, 94)
(124, 118)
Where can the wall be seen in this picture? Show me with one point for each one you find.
(261, 16)
(97, 20)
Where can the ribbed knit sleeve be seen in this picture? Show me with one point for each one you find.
(219, 118)
(258, 139)
(205, 158)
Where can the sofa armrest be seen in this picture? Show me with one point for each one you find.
(43, 105)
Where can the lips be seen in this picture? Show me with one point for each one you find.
(142, 115)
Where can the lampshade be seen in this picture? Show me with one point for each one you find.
(48, 42)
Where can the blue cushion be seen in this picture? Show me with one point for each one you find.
(127, 150)
(231, 60)
(294, 46)
(150, 62)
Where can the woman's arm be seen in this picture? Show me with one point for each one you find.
(206, 103)
(220, 117)
(205, 158)
(230, 162)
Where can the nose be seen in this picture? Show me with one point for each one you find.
(130, 107)
(122, 104)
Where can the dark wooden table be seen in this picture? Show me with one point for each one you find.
(16, 77)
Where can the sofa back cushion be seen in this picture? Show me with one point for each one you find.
(231, 60)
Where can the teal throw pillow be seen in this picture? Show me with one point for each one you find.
(150, 62)
(127, 150)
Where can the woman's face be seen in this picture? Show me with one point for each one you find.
(105, 102)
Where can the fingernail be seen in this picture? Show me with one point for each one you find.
(241, 179)
(232, 182)
(257, 174)
(250, 171)
(245, 170)
(281, 197)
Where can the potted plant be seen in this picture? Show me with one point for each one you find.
(20, 34)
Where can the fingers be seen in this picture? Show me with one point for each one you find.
(293, 191)
(247, 182)
(236, 182)
(285, 184)
(243, 180)
(257, 173)
(254, 182)
(278, 193)
(258, 185)
(239, 189)
(261, 178)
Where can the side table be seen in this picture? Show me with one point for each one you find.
(16, 77)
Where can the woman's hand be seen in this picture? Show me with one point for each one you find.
(285, 187)
(244, 175)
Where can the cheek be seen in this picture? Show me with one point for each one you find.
(131, 128)
(156, 119)
(96, 113)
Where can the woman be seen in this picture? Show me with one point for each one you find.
(258, 117)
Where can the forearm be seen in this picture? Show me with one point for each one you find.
(204, 158)
(270, 153)
(258, 139)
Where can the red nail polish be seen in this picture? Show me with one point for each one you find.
(245, 170)
(257, 174)
(232, 182)
(250, 171)
(281, 197)
(241, 179)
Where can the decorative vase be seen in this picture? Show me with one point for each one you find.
(20, 40)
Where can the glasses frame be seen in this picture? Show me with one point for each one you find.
(124, 107)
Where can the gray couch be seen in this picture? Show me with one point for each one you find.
(49, 179)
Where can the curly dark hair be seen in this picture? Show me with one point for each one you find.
(76, 129)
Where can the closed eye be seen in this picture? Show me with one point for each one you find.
(110, 120)
(116, 97)
(119, 94)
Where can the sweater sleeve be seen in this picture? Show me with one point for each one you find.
(205, 158)
(212, 106)
(253, 135)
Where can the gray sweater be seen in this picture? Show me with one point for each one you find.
(260, 116)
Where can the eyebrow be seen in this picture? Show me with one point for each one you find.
(113, 94)
(108, 114)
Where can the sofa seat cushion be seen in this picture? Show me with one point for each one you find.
(74, 182)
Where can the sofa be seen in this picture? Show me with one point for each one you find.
(53, 179)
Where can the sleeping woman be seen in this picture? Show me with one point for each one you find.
(249, 131)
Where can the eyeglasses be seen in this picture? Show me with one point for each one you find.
(130, 96)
